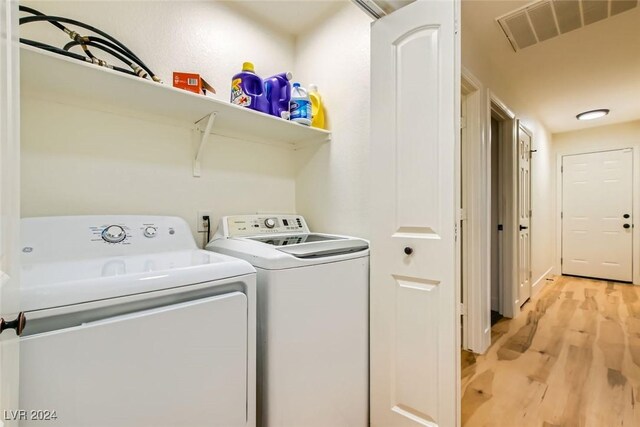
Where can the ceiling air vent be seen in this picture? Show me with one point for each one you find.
(546, 19)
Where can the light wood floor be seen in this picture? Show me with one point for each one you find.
(572, 358)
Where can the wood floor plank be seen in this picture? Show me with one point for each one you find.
(572, 358)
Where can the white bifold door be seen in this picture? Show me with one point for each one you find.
(597, 222)
(415, 323)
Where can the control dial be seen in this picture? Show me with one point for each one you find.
(150, 232)
(114, 234)
(269, 222)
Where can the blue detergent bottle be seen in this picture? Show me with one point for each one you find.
(300, 105)
(278, 91)
(247, 90)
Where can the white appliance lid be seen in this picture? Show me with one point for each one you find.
(275, 242)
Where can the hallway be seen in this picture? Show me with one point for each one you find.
(572, 358)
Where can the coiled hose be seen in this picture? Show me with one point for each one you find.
(105, 43)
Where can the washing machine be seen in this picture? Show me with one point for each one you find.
(129, 324)
(313, 317)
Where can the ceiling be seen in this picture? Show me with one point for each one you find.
(292, 17)
(597, 66)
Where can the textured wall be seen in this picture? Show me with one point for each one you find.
(83, 161)
(332, 186)
(208, 37)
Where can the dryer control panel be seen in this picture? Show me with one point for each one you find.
(255, 225)
(50, 239)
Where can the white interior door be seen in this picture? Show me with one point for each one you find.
(415, 324)
(597, 209)
(524, 216)
(9, 201)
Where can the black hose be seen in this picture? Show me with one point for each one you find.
(59, 51)
(38, 13)
(111, 49)
(105, 49)
(112, 43)
(54, 23)
(40, 18)
(54, 49)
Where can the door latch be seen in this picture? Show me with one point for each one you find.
(18, 324)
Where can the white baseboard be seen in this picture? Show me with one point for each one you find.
(537, 285)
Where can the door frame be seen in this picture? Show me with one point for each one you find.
(478, 227)
(472, 219)
(635, 259)
(508, 212)
(9, 203)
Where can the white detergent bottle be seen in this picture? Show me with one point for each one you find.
(300, 105)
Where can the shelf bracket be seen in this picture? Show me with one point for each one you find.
(203, 140)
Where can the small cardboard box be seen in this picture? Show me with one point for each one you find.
(191, 82)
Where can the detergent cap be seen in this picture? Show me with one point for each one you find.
(296, 84)
(313, 88)
(248, 66)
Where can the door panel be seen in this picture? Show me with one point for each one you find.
(9, 201)
(597, 191)
(524, 212)
(416, 55)
(414, 325)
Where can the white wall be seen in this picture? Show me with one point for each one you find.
(475, 59)
(82, 161)
(79, 161)
(332, 186)
(602, 138)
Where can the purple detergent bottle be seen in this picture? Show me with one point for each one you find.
(247, 90)
(278, 91)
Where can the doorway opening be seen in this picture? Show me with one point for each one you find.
(495, 215)
(496, 226)
(504, 253)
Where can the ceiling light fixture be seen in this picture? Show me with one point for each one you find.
(593, 114)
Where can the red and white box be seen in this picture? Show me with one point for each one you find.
(192, 82)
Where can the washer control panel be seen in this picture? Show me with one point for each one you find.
(253, 225)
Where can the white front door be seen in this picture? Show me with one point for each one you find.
(597, 222)
(415, 324)
(524, 215)
(9, 204)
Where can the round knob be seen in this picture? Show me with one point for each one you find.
(625, 216)
(627, 226)
(150, 232)
(408, 250)
(114, 234)
(269, 222)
